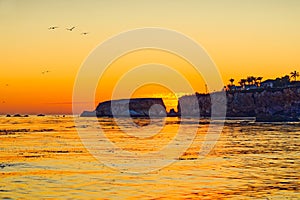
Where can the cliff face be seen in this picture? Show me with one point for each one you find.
(280, 103)
(285, 102)
(139, 107)
(265, 105)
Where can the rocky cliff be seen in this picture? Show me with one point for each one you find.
(138, 107)
(266, 105)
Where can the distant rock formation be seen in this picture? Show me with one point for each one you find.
(17, 115)
(138, 107)
(266, 105)
(88, 114)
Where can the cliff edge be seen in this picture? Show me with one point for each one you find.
(266, 105)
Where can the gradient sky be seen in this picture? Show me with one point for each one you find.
(249, 37)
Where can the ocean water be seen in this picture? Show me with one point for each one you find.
(44, 157)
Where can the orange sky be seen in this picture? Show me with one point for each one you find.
(250, 37)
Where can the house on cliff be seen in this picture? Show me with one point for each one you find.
(268, 83)
(283, 82)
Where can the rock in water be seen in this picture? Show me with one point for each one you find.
(88, 114)
(138, 107)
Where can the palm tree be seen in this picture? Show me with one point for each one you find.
(294, 75)
(249, 79)
(254, 80)
(242, 82)
(259, 79)
(231, 81)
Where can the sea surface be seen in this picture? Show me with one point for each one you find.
(44, 158)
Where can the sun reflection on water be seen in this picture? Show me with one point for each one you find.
(43, 157)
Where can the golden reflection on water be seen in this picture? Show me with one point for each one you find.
(43, 157)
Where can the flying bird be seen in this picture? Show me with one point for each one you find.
(70, 29)
(53, 27)
(44, 72)
(84, 33)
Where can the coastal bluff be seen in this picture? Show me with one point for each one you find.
(136, 107)
(280, 104)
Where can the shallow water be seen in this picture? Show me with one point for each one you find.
(43, 157)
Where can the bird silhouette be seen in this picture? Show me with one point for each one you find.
(70, 29)
(84, 33)
(44, 72)
(53, 27)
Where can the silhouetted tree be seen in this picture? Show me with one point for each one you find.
(294, 75)
(282, 82)
(231, 81)
(242, 82)
(259, 79)
(285, 80)
(249, 80)
(253, 80)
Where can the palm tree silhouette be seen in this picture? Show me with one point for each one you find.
(249, 80)
(242, 82)
(254, 80)
(259, 79)
(294, 75)
(231, 81)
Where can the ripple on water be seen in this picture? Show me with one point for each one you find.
(250, 160)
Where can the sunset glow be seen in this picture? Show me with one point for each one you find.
(149, 99)
(39, 65)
